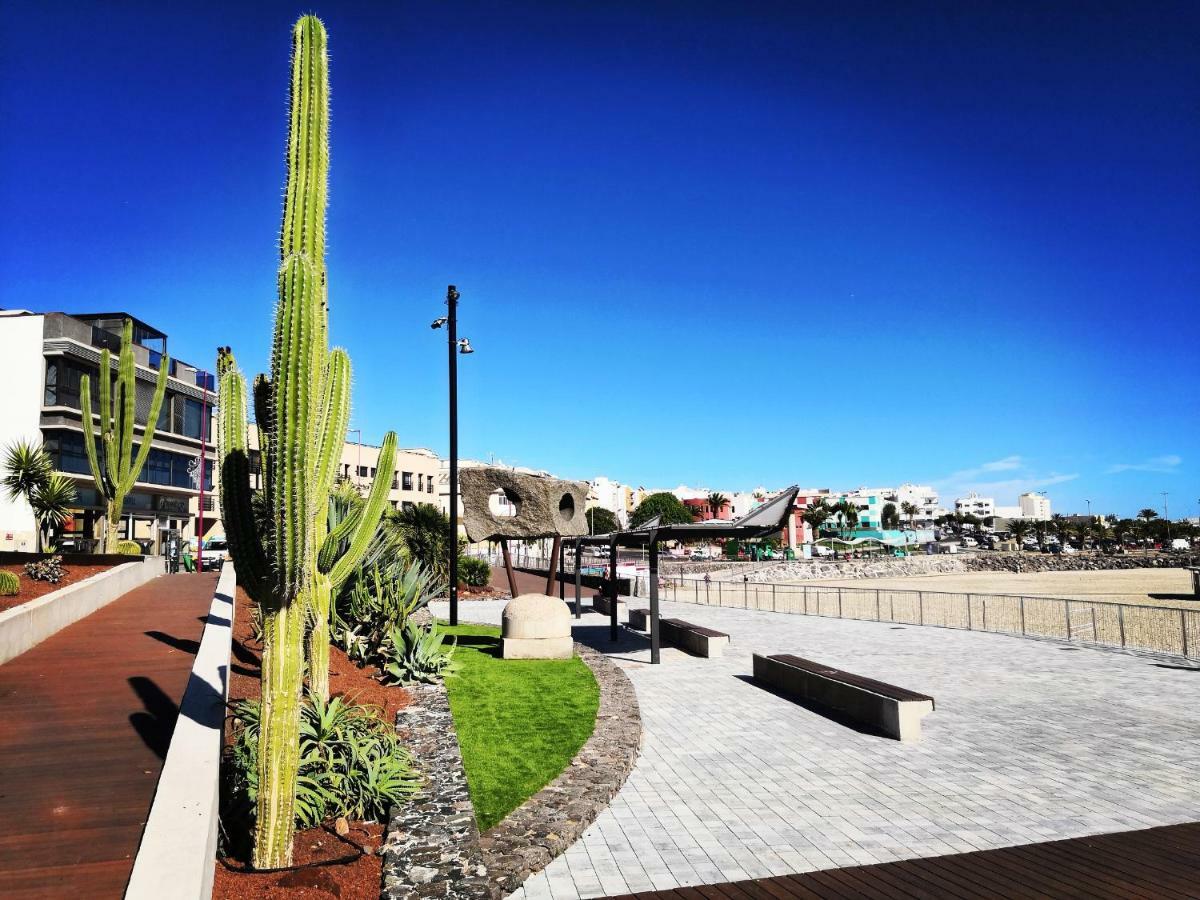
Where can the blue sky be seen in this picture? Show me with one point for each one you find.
(719, 243)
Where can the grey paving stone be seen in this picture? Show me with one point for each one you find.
(1027, 743)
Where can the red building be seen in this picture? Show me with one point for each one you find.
(702, 510)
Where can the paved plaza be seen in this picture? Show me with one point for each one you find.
(1031, 741)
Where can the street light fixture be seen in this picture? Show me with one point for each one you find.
(462, 346)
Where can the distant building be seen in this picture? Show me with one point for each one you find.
(974, 505)
(43, 356)
(1035, 506)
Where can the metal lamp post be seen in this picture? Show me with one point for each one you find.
(454, 346)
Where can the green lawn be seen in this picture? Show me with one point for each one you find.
(520, 721)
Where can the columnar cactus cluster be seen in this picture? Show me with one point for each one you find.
(118, 470)
(292, 564)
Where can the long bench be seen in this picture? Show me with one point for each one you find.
(895, 711)
(639, 619)
(692, 638)
(602, 605)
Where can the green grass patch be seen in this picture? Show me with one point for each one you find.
(520, 721)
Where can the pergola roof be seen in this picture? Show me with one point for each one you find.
(767, 519)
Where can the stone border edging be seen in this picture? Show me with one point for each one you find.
(556, 816)
(177, 854)
(24, 627)
(432, 843)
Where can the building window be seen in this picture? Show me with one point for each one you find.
(429, 486)
(395, 481)
(406, 481)
(362, 471)
(420, 481)
(185, 418)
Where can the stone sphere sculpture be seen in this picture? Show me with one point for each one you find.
(536, 626)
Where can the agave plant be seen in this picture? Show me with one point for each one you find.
(416, 653)
(374, 605)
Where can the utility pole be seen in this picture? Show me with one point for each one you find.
(1166, 518)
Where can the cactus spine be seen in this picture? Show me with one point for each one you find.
(117, 472)
(292, 568)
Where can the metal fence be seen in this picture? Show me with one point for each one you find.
(1111, 623)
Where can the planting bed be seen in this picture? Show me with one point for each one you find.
(31, 589)
(326, 864)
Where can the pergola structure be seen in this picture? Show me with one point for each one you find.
(768, 519)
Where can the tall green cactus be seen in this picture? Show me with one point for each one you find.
(302, 411)
(117, 472)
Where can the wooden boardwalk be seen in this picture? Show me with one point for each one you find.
(1140, 865)
(87, 718)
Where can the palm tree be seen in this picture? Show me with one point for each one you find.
(1040, 528)
(847, 516)
(426, 532)
(910, 510)
(52, 504)
(29, 475)
(815, 516)
(716, 502)
(1018, 528)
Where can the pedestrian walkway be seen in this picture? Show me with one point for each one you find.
(88, 715)
(1031, 741)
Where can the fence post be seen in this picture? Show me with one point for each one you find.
(774, 605)
(1121, 622)
(839, 590)
(1022, 599)
(985, 615)
(1067, 611)
(1095, 633)
(720, 595)
(1183, 630)
(878, 613)
(921, 606)
(969, 628)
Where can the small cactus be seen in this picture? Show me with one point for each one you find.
(117, 471)
(10, 584)
(129, 548)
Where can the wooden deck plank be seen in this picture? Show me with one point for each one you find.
(1147, 864)
(88, 715)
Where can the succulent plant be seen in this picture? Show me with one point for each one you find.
(116, 472)
(10, 584)
(292, 568)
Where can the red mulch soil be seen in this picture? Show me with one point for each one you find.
(325, 864)
(31, 590)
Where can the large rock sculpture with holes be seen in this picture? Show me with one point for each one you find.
(534, 626)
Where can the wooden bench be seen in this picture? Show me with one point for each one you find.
(639, 619)
(895, 711)
(692, 638)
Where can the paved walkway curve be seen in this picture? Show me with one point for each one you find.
(1031, 741)
(88, 715)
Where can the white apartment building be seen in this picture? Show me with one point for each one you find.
(974, 505)
(1034, 506)
(617, 498)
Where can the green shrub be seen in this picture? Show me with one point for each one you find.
(129, 548)
(351, 763)
(374, 605)
(414, 652)
(474, 571)
(10, 584)
(50, 570)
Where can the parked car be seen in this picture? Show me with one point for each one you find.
(970, 542)
(214, 554)
(1181, 544)
(701, 553)
(821, 550)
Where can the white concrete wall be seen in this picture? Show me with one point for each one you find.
(179, 845)
(27, 625)
(22, 373)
